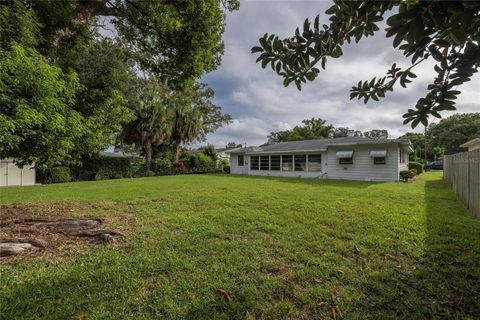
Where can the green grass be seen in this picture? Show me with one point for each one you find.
(282, 248)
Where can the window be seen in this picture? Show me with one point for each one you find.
(254, 162)
(264, 163)
(345, 161)
(379, 160)
(240, 161)
(287, 163)
(300, 162)
(314, 162)
(275, 163)
(403, 156)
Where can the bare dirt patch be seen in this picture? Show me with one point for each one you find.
(54, 228)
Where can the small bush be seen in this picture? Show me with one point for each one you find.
(180, 167)
(417, 166)
(226, 169)
(61, 174)
(414, 171)
(406, 174)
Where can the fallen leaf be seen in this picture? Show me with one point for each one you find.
(223, 293)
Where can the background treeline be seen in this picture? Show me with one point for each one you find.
(443, 137)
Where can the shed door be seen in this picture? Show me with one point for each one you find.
(14, 177)
(3, 174)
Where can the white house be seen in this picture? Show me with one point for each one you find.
(349, 158)
(473, 144)
(12, 175)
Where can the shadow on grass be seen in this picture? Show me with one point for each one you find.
(444, 281)
(306, 181)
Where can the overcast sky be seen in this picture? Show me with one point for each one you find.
(259, 103)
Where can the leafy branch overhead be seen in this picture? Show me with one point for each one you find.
(446, 31)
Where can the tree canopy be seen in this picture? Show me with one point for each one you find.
(65, 89)
(317, 128)
(446, 31)
(453, 131)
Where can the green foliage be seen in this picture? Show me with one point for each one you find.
(200, 163)
(453, 131)
(103, 168)
(376, 134)
(104, 71)
(61, 174)
(314, 128)
(443, 31)
(342, 132)
(17, 24)
(37, 122)
(233, 145)
(418, 167)
(405, 175)
(210, 151)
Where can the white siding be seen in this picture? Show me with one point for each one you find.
(363, 167)
(235, 168)
(402, 166)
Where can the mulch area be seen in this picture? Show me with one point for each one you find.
(57, 228)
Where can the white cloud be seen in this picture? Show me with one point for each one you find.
(260, 104)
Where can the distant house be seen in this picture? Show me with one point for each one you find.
(13, 175)
(349, 158)
(224, 153)
(471, 145)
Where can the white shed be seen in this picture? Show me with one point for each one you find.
(12, 175)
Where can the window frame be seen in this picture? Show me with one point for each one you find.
(295, 163)
(262, 168)
(258, 163)
(376, 160)
(240, 163)
(345, 160)
(320, 162)
(279, 162)
(282, 162)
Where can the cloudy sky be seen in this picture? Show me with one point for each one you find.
(259, 103)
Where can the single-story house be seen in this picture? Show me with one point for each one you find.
(13, 175)
(471, 145)
(349, 158)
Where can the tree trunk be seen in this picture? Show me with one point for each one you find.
(148, 157)
(176, 155)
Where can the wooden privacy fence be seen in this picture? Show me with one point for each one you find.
(462, 172)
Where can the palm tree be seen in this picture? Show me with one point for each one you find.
(152, 124)
(187, 122)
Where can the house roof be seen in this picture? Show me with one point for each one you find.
(319, 144)
(470, 143)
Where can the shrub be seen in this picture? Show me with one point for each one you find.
(414, 171)
(200, 163)
(102, 168)
(61, 174)
(180, 167)
(417, 166)
(406, 174)
(226, 169)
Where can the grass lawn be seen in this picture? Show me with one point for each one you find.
(281, 248)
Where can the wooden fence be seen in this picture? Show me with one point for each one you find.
(462, 172)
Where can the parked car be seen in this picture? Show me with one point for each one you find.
(435, 165)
